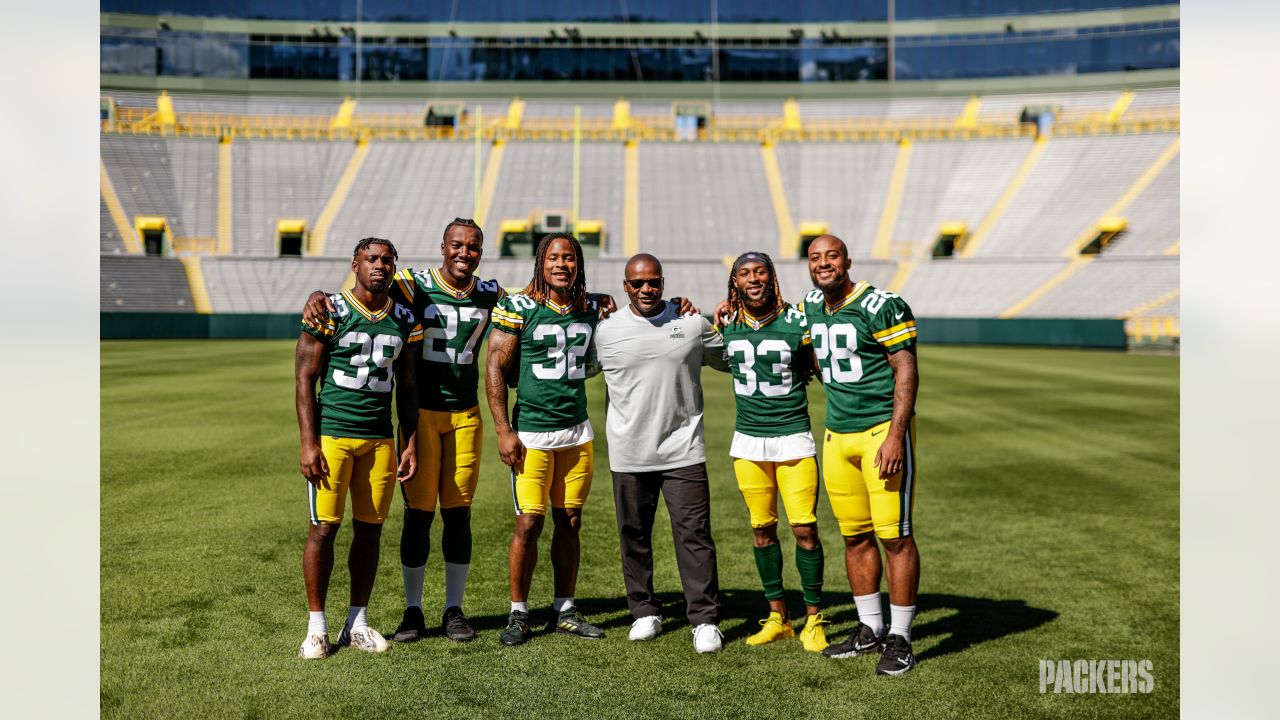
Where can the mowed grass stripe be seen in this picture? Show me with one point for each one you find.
(1046, 511)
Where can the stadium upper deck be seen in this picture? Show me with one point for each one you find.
(226, 44)
(888, 183)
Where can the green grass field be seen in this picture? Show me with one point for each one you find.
(1047, 517)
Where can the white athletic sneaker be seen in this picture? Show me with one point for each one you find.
(315, 647)
(364, 638)
(646, 628)
(707, 638)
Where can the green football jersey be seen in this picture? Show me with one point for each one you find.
(454, 323)
(556, 345)
(355, 388)
(766, 358)
(853, 341)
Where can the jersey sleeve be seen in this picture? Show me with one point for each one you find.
(507, 316)
(404, 288)
(323, 332)
(713, 347)
(894, 326)
(415, 334)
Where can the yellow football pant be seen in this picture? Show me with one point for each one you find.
(860, 498)
(564, 475)
(448, 460)
(762, 482)
(367, 468)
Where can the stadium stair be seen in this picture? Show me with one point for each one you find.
(224, 195)
(631, 199)
(1002, 204)
(787, 238)
(892, 201)
(118, 216)
(195, 280)
(1076, 265)
(1130, 195)
(492, 169)
(968, 118)
(900, 276)
(1119, 107)
(339, 196)
(341, 120)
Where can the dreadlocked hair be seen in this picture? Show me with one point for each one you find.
(736, 306)
(365, 243)
(538, 289)
(465, 223)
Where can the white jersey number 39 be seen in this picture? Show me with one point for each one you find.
(372, 350)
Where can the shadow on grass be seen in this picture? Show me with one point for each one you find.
(972, 622)
(975, 620)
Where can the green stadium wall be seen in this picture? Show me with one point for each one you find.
(1057, 332)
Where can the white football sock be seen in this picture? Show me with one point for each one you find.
(316, 623)
(562, 604)
(870, 612)
(900, 617)
(358, 617)
(413, 584)
(521, 606)
(455, 583)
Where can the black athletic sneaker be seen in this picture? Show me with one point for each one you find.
(861, 641)
(571, 622)
(412, 628)
(455, 625)
(897, 657)
(517, 630)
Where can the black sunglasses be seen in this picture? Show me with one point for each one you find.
(637, 284)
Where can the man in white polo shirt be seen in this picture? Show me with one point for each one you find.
(652, 359)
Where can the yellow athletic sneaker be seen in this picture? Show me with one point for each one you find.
(774, 628)
(813, 636)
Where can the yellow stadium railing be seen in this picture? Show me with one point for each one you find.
(1153, 328)
(650, 128)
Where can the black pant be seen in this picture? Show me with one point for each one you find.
(689, 505)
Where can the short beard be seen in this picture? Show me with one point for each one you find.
(378, 287)
(766, 303)
(836, 281)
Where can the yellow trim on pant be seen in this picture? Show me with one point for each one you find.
(762, 482)
(366, 469)
(861, 500)
(449, 445)
(563, 476)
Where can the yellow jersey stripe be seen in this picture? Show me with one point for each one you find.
(900, 337)
(894, 329)
(327, 328)
(500, 313)
(405, 280)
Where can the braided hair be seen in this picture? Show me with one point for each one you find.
(539, 290)
(366, 242)
(736, 306)
(465, 223)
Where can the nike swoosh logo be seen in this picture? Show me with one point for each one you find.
(471, 415)
(898, 316)
(876, 433)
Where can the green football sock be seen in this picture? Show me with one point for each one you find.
(769, 563)
(809, 564)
